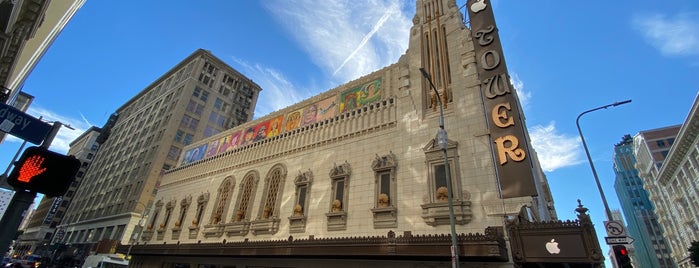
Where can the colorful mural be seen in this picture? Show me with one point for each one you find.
(315, 112)
(327, 108)
(360, 96)
(212, 148)
(293, 120)
(275, 126)
(194, 154)
(255, 133)
(229, 142)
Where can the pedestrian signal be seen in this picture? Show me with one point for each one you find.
(43, 171)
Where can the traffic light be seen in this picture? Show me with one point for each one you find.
(43, 171)
(621, 255)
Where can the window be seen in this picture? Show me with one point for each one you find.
(218, 104)
(268, 218)
(173, 153)
(188, 139)
(189, 122)
(168, 213)
(385, 194)
(201, 205)
(434, 212)
(247, 191)
(184, 206)
(222, 201)
(297, 221)
(179, 135)
(158, 206)
(337, 216)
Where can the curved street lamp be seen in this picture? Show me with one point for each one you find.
(442, 141)
(136, 236)
(589, 159)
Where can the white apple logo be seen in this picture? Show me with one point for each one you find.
(478, 6)
(552, 247)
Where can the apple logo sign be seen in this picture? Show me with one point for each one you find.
(552, 247)
(478, 6)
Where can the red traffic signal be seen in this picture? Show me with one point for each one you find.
(43, 171)
(621, 255)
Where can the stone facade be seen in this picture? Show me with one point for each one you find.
(363, 162)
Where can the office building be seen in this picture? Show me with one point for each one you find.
(199, 97)
(650, 247)
(671, 184)
(5, 198)
(362, 176)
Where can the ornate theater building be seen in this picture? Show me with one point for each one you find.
(360, 175)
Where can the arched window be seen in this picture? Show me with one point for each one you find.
(222, 201)
(268, 216)
(247, 192)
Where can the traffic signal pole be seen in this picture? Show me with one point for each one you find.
(20, 203)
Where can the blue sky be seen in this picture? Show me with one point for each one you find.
(565, 57)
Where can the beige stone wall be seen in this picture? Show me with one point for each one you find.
(399, 124)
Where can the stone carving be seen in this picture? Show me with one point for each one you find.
(298, 210)
(384, 162)
(239, 215)
(442, 194)
(266, 212)
(337, 206)
(343, 170)
(383, 200)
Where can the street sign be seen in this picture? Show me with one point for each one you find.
(22, 125)
(615, 228)
(619, 240)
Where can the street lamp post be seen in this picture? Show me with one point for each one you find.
(589, 159)
(442, 141)
(136, 236)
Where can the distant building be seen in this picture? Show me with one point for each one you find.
(650, 247)
(5, 198)
(37, 237)
(199, 97)
(672, 183)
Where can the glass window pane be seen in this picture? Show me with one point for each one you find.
(440, 178)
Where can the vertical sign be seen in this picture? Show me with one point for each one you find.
(509, 143)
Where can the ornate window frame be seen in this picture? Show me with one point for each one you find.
(221, 205)
(384, 210)
(297, 220)
(148, 233)
(162, 228)
(435, 208)
(339, 182)
(202, 201)
(184, 208)
(268, 219)
(240, 220)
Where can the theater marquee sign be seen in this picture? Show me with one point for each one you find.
(509, 143)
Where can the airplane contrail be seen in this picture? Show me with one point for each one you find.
(366, 38)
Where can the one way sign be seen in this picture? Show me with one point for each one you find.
(619, 240)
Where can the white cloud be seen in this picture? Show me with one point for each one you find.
(673, 36)
(347, 39)
(277, 91)
(555, 150)
(61, 143)
(524, 96)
